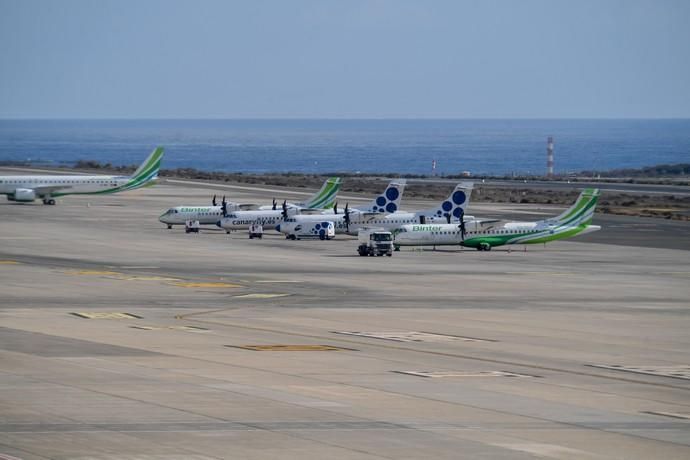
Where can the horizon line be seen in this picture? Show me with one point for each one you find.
(333, 118)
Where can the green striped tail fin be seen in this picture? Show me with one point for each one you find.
(582, 211)
(149, 168)
(325, 197)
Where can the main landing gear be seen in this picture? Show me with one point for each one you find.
(483, 247)
(49, 201)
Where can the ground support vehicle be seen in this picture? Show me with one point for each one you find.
(375, 243)
(256, 231)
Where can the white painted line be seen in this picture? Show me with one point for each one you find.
(676, 372)
(413, 336)
(464, 374)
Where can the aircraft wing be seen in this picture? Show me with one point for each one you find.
(248, 207)
(311, 212)
(369, 216)
(483, 222)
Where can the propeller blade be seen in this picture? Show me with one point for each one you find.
(214, 200)
(346, 217)
(335, 208)
(448, 218)
(285, 211)
(275, 204)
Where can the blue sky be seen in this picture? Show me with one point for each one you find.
(344, 59)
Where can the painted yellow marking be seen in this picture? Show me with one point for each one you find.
(259, 296)
(105, 315)
(93, 272)
(9, 262)
(290, 348)
(205, 285)
(145, 278)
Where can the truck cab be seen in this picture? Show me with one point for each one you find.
(375, 243)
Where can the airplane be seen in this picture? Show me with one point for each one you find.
(211, 215)
(243, 219)
(323, 199)
(26, 189)
(452, 208)
(485, 234)
(205, 215)
(389, 199)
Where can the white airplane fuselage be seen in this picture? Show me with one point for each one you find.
(205, 215)
(241, 220)
(358, 221)
(46, 187)
(22, 188)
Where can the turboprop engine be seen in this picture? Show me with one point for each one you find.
(23, 194)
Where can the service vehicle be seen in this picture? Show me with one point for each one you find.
(192, 226)
(256, 231)
(375, 243)
(323, 230)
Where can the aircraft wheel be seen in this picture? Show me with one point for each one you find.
(169, 227)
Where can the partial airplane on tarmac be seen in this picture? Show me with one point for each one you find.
(211, 215)
(323, 199)
(26, 189)
(351, 221)
(485, 234)
(243, 219)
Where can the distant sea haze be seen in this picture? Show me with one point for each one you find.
(368, 146)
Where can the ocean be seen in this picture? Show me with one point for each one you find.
(366, 146)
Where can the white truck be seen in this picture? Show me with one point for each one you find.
(375, 243)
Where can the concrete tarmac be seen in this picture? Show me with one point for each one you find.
(120, 339)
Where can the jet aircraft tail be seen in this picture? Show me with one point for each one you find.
(147, 171)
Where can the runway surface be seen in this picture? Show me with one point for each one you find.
(121, 339)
